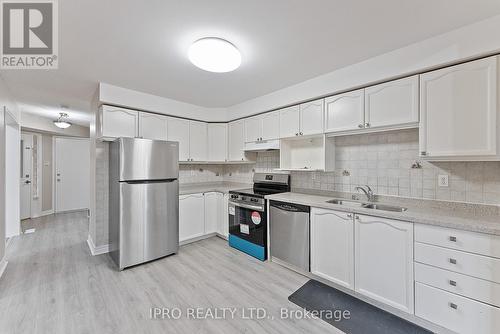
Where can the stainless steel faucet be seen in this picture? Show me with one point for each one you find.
(368, 192)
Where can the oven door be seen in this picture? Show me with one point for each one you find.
(248, 222)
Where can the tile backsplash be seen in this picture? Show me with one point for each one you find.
(384, 160)
(381, 160)
(266, 162)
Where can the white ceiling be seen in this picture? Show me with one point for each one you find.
(142, 45)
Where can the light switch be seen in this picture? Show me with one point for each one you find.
(443, 180)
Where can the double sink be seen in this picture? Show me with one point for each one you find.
(374, 206)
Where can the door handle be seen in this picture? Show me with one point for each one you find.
(27, 182)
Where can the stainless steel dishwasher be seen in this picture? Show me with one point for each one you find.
(289, 234)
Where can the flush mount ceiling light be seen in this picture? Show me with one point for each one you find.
(62, 122)
(214, 55)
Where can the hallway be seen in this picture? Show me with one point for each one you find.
(53, 285)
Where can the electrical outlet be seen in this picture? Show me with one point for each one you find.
(443, 180)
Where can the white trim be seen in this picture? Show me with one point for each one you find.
(47, 212)
(3, 266)
(94, 250)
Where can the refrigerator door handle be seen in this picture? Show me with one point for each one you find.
(148, 181)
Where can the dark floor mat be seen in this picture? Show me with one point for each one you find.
(364, 318)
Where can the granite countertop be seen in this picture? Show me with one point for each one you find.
(223, 187)
(464, 216)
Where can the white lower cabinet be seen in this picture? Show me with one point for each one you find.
(203, 214)
(332, 246)
(223, 228)
(213, 213)
(383, 258)
(457, 313)
(457, 279)
(191, 216)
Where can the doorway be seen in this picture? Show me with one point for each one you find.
(72, 168)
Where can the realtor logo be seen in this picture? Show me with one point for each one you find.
(29, 34)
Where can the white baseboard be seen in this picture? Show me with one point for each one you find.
(3, 266)
(94, 250)
(46, 213)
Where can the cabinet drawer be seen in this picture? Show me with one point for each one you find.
(479, 243)
(471, 287)
(465, 263)
(454, 312)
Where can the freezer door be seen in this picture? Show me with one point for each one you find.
(149, 221)
(161, 219)
(131, 240)
(145, 159)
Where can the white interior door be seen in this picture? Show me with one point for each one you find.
(26, 170)
(72, 166)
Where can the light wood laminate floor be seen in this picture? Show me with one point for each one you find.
(53, 285)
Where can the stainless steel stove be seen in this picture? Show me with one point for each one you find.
(248, 213)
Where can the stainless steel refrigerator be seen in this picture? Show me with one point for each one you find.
(143, 200)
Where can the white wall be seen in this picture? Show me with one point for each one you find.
(6, 103)
(38, 123)
(478, 39)
(109, 94)
(12, 152)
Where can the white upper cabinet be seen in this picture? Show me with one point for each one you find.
(198, 141)
(178, 130)
(236, 137)
(302, 120)
(118, 122)
(253, 129)
(458, 112)
(270, 125)
(332, 246)
(392, 103)
(217, 142)
(152, 126)
(262, 127)
(312, 118)
(345, 112)
(289, 122)
(383, 259)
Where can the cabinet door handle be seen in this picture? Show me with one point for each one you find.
(453, 283)
(454, 239)
(453, 306)
(367, 125)
(361, 126)
(423, 153)
(453, 261)
(356, 217)
(301, 133)
(349, 215)
(296, 134)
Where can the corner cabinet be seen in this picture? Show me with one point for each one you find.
(383, 257)
(117, 122)
(217, 142)
(459, 112)
(332, 246)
